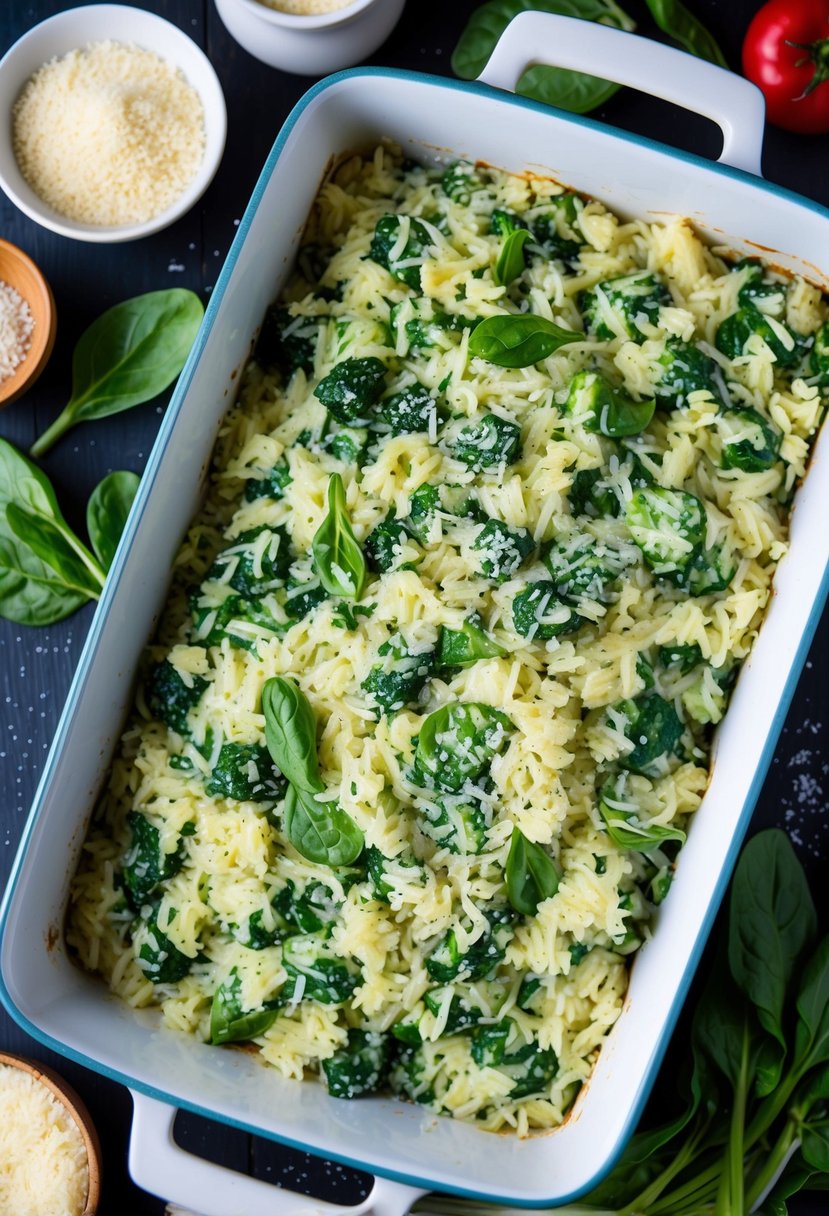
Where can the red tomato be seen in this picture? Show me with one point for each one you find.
(786, 53)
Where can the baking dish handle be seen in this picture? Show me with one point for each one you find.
(158, 1165)
(735, 105)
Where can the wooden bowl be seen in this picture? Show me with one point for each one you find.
(74, 1106)
(19, 271)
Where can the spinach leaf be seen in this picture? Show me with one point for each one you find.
(489, 21)
(291, 733)
(622, 821)
(45, 571)
(599, 407)
(573, 91)
(458, 742)
(53, 542)
(518, 339)
(107, 510)
(230, 1022)
(321, 831)
(531, 874)
(674, 18)
(797, 1176)
(811, 1044)
(815, 1144)
(338, 558)
(772, 921)
(510, 262)
(722, 1022)
(465, 646)
(130, 354)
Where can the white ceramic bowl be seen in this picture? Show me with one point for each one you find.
(77, 27)
(310, 45)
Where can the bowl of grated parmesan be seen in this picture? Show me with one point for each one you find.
(27, 322)
(117, 123)
(50, 1156)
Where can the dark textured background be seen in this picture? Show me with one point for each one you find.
(36, 665)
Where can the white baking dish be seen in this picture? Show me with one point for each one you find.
(69, 1011)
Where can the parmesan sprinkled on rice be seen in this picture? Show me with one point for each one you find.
(566, 563)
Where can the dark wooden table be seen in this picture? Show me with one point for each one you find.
(36, 665)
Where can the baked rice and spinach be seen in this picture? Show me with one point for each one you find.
(491, 528)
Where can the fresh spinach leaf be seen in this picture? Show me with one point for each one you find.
(510, 263)
(624, 825)
(291, 733)
(574, 91)
(31, 593)
(321, 831)
(815, 1144)
(811, 1046)
(107, 510)
(53, 542)
(567, 90)
(796, 1177)
(45, 571)
(488, 22)
(129, 355)
(722, 1022)
(675, 19)
(518, 339)
(338, 558)
(531, 874)
(772, 921)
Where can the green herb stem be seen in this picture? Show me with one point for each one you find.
(692, 1191)
(771, 1108)
(92, 564)
(649, 1196)
(51, 435)
(737, 1138)
(773, 1162)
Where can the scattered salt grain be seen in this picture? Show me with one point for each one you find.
(16, 327)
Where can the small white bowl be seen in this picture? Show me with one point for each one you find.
(76, 28)
(310, 45)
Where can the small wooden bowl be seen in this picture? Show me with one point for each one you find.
(19, 271)
(74, 1106)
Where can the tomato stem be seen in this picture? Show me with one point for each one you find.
(819, 56)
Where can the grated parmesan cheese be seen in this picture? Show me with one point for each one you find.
(44, 1169)
(109, 134)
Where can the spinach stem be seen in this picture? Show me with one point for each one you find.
(734, 1162)
(776, 1158)
(772, 1107)
(92, 565)
(703, 1187)
(653, 1191)
(51, 435)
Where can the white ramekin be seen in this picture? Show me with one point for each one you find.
(311, 45)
